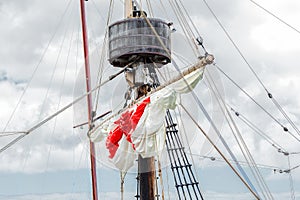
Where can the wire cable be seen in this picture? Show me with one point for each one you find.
(37, 66)
(275, 16)
(103, 53)
(260, 106)
(239, 139)
(252, 70)
(38, 125)
(257, 130)
(246, 183)
(149, 8)
(249, 184)
(214, 158)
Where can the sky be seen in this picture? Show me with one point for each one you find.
(41, 70)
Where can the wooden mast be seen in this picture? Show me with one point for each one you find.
(128, 9)
(146, 174)
(146, 166)
(89, 97)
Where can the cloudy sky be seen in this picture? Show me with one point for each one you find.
(41, 71)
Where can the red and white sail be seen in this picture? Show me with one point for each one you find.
(141, 128)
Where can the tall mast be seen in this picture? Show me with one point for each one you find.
(133, 44)
(89, 96)
(146, 166)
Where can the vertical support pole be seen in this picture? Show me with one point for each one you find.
(146, 168)
(128, 9)
(147, 178)
(89, 97)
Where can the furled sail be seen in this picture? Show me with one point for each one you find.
(141, 129)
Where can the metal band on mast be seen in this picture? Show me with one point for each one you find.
(89, 97)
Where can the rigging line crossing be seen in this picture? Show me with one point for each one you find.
(258, 130)
(221, 154)
(260, 106)
(37, 66)
(275, 16)
(239, 139)
(14, 141)
(252, 70)
(284, 113)
(10, 134)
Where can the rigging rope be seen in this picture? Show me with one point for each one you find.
(239, 139)
(275, 102)
(38, 125)
(185, 27)
(103, 53)
(61, 89)
(197, 37)
(10, 133)
(275, 16)
(50, 81)
(258, 131)
(204, 111)
(213, 158)
(260, 106)
(246, 183)
(37, 66)
(188, 145)
(149, 8)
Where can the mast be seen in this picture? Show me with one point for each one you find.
(89, 97)
(133, 44)
(128, 9)
(146, 166)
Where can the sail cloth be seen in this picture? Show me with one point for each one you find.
(141, 128)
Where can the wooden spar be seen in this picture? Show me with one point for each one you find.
(206, 60)
(89, 97)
